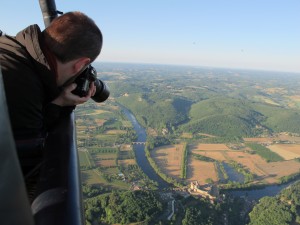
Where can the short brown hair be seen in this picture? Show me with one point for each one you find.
(73, 35)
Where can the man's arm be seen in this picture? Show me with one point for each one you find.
(64, 104)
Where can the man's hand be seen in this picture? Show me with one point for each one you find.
(67, 98)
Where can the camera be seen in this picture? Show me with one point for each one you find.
(83, 82)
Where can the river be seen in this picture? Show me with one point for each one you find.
(142, 161)
(256, 194)
(139, 150)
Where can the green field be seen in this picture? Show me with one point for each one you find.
(95, 177)
(84, 158)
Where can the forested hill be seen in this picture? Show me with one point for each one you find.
(213, 101)
(157, 111)
(235, 117)
(123, 207)
(282, 209)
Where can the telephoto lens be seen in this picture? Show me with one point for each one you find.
(102, 91)
(83, 82)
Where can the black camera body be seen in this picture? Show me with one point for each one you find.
(83, 82)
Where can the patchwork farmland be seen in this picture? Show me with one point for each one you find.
(168, 158)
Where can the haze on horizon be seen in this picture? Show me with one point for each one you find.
(230, 34)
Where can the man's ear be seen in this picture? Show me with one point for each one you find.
(80, 64)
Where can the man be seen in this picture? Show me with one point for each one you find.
(38, 70)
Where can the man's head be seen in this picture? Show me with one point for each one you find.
(75, 40)
(73, 35)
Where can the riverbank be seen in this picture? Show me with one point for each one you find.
(139, 150)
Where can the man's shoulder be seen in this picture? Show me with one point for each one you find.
(29, 35)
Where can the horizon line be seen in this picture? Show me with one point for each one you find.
(200, 66)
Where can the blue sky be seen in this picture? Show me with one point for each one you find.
(252, 34)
